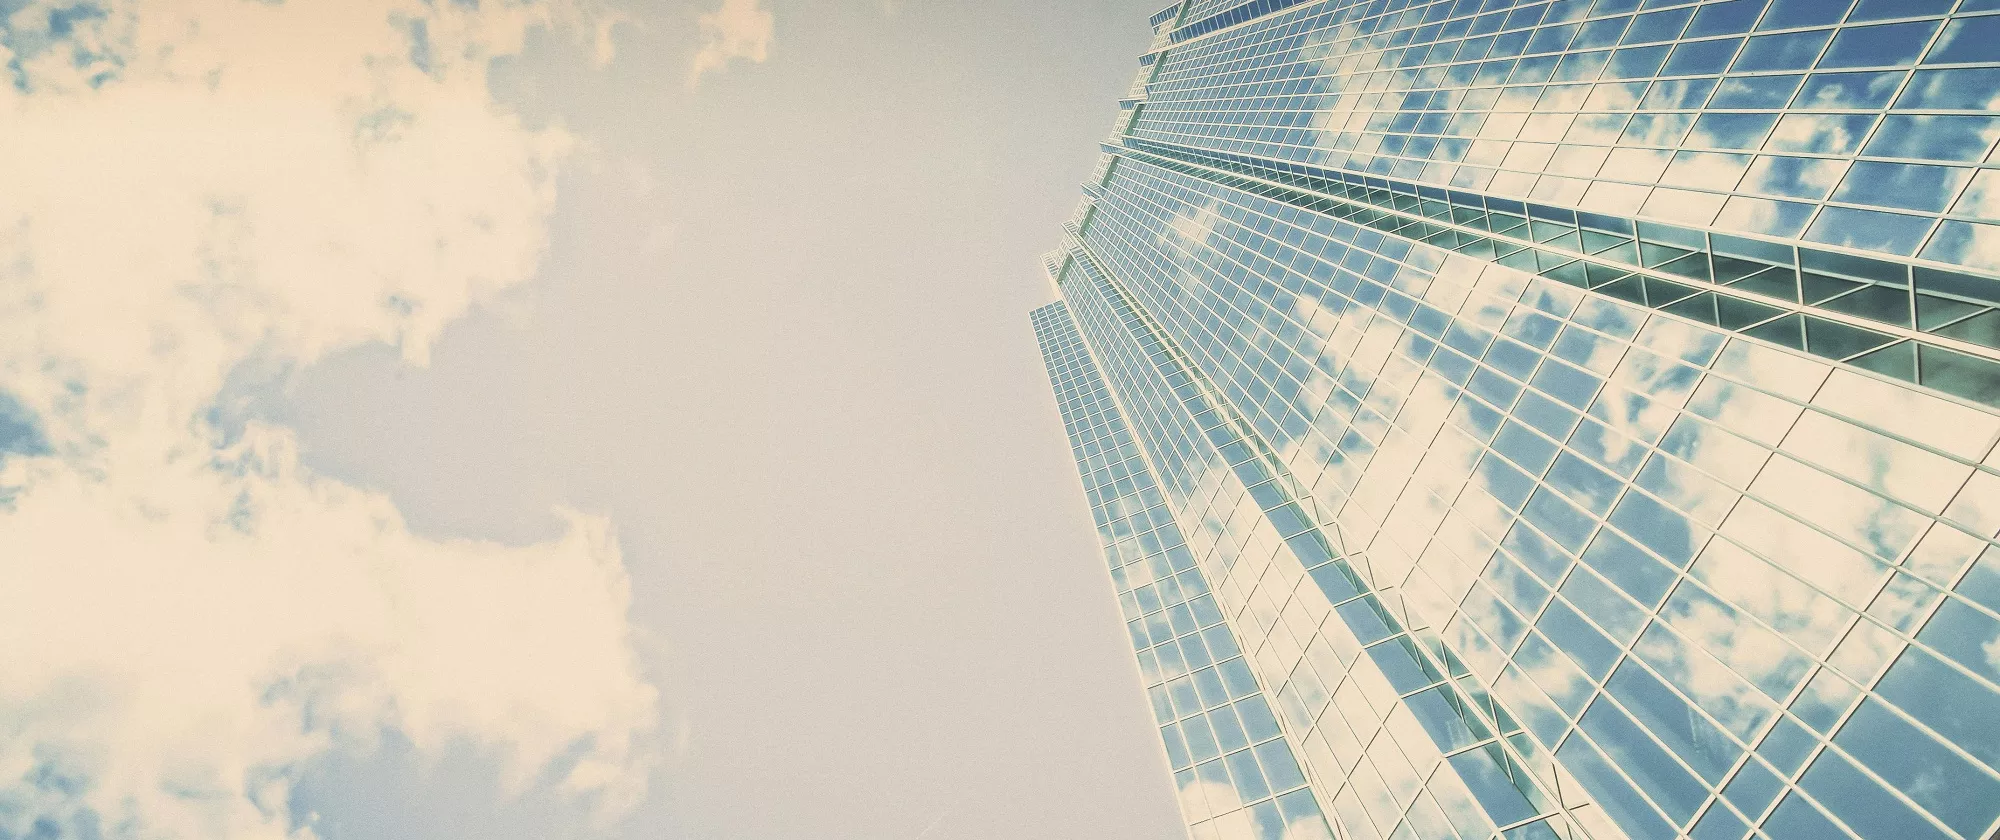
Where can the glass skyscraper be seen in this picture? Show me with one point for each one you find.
(1573, 419)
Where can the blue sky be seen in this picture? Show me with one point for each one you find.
(552, 420)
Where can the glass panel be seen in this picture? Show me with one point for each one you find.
(1786, 14)
(1786, 51)
(1893, 44)
(1934, 136)
(1653, 769)
(1869, 230)
(1492, 779)
(1687, 733)
(1450, 726)
(1959, 708)
(1613, 793)
(1971, 89)
(1963, 797)
(1909, 186)
(1967, 40)
(1797, 819)
(1848, 90)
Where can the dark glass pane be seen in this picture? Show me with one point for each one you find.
(1956, 373)
(1983, 329)
(1934, 312)
(1958, 285)
(1887, 304)
(1788, 331)
(1735, 313)
(1835, 340)
(1700, 307)
(1898, 360)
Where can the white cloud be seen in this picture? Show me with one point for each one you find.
(738, 29)
(190, 186)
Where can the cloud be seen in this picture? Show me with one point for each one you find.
(738, 29)
(197, 188)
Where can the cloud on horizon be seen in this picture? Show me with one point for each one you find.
(202, 187)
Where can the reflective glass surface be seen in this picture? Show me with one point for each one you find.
(1230, 764)
(1566, 419)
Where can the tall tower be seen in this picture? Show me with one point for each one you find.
(1573, 419)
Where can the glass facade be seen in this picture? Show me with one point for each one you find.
(1565, 419)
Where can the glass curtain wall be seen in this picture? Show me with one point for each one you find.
(1564, 419)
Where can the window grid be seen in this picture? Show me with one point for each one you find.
(1290, 87)
(1466, 518)
(1276, 672)
(1149, 562)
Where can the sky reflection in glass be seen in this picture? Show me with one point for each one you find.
(1578, 418)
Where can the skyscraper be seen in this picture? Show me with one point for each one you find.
(1566, 419)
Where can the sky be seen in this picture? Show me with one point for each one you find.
(555, 419)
